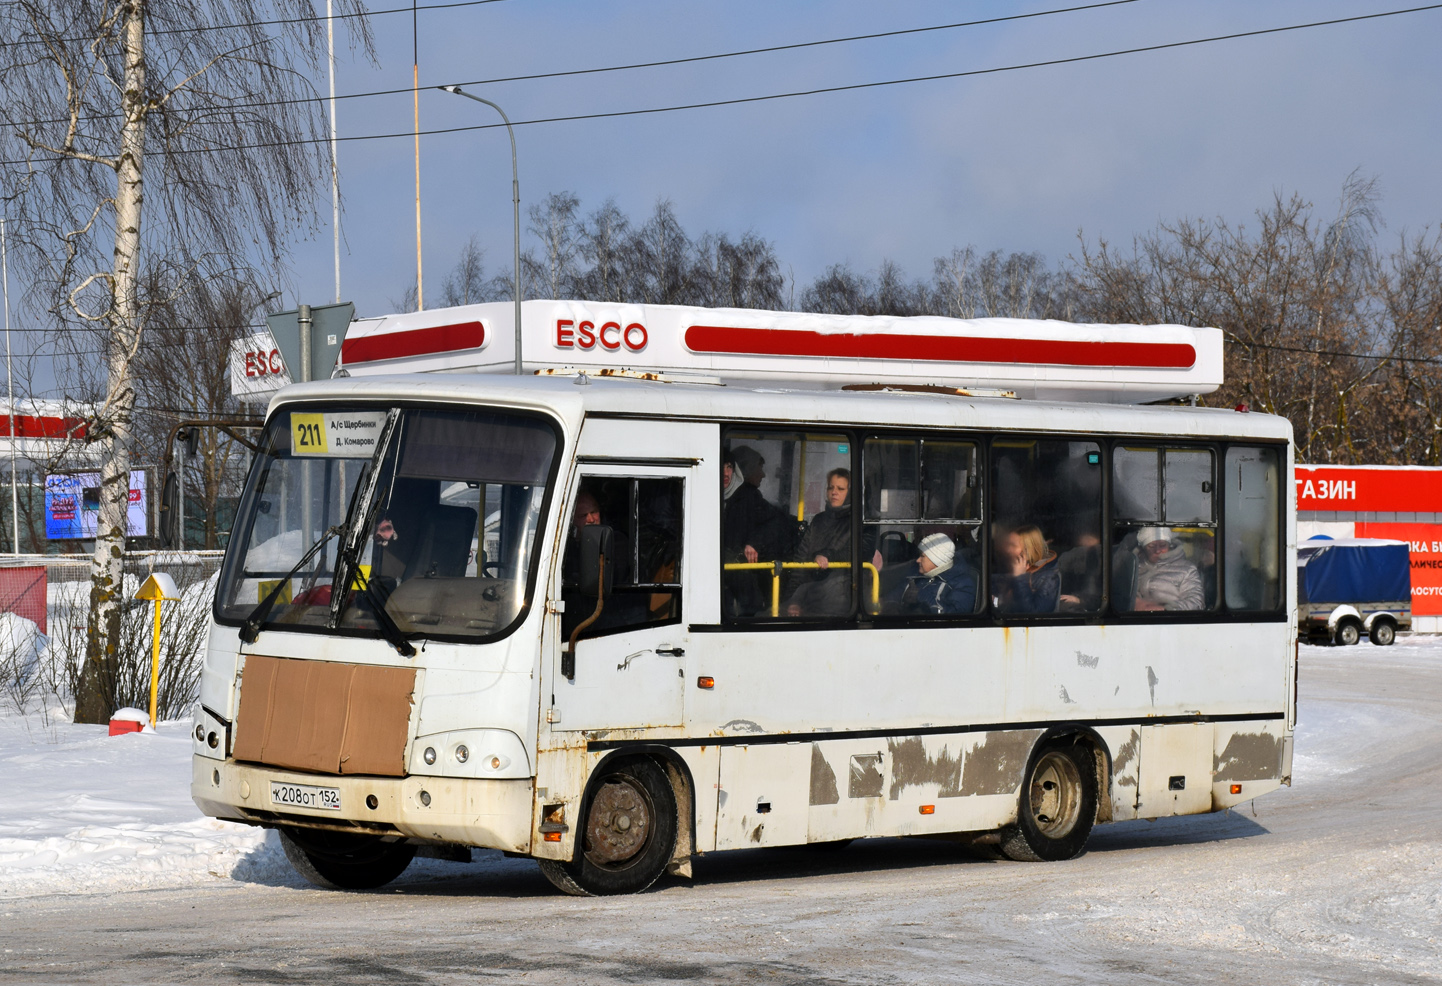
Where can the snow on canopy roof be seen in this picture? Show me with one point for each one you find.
(1034, 358)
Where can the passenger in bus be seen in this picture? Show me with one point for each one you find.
(937, 583)
(1166, 579)
(824, 591)
(1024, 577)
(751, 532)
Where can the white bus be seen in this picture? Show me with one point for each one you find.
(726, 579)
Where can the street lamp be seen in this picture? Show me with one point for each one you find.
(516, 200)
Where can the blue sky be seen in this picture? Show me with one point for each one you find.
(1016, 160)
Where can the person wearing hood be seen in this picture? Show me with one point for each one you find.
(938, 583)
(751, 530)
(825, 591)
(1166, 578)
(1025, 578)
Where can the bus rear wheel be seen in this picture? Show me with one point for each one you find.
(345, 861)
(628, 833)
(1057, 806)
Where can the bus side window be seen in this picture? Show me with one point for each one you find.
(1164, 534)
(1046, 526)
(921, 518)
(1251, 494)
(645, 519)
(787, 501)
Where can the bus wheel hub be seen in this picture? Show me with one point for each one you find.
(619, 823)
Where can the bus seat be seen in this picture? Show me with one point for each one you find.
(444, 545)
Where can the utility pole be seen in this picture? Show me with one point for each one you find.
(10, 389)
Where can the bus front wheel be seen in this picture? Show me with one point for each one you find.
(628, 833)
(1057, 806)
(342, 861)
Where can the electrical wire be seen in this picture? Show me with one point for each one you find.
(744, 100)
(247, 24)
(666, 62)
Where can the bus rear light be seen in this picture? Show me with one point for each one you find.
(552, 836)
(705, 681)
(1236, 789)
(928, 809)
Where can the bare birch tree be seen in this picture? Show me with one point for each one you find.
(183, 129)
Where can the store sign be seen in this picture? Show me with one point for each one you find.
(1356, 489)
(72, 505)
(1425, 541)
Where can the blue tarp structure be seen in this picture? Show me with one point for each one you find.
(1354, 570)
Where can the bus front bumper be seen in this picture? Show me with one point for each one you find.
(495, 814)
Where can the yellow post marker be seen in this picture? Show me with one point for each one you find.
(158, 588)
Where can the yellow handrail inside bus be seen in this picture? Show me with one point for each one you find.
(776, 568)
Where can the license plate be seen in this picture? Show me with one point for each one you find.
(304, 796)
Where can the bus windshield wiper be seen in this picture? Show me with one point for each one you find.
(251, 628)
(389, 628)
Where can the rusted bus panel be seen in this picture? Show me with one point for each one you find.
(1124, 748)
(875, 787)
(761, 797)
(563, 772)
(1176, 770)
(1254, 756)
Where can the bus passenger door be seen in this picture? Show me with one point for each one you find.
(627, 667)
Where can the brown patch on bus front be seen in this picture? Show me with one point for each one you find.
(996, 763)
(823, 779)
(1249, 757)
(324, 717)
(911, 767)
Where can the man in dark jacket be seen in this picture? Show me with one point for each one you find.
(751, 532)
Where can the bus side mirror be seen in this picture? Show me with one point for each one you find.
(597, 542)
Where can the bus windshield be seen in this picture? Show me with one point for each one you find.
(442, 508)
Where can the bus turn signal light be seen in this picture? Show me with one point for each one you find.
(705, 681)
(552, 836)
(928, 809)
(1236, 789)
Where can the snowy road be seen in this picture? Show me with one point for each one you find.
(1337, 880)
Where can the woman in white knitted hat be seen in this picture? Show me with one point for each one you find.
(1166, 579)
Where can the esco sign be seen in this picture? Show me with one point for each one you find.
(257, 368)
(611, 336)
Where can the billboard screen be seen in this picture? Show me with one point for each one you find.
(72, 505)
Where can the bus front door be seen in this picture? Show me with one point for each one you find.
(626, 671)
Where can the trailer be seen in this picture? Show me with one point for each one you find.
(1350, 586)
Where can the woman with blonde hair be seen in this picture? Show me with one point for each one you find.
(1024, 576)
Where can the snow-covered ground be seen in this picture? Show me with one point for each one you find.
(1336, 879)
(83, 811)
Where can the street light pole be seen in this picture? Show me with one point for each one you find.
(516, 202)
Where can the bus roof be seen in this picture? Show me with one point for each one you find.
(572, 397)
(1030, 358)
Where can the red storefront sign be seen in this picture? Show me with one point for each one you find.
(1426, 542)
(1391, 489)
